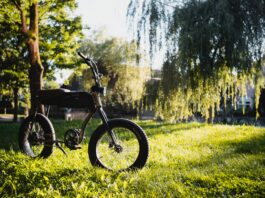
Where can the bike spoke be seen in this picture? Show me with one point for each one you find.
(118, 160)
(36, 138)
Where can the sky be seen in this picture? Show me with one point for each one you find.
(97, 14)
(110, 14)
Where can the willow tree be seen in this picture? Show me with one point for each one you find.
(214, 49)
(58, 27)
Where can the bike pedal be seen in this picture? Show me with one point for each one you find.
(75, 147)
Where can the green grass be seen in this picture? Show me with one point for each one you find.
(186, 160)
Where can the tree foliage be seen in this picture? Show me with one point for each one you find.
(60, 31)
(13, 63)
(214, 49)
(47, 31)
(12, 57)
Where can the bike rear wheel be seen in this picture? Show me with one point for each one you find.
(131, 152)
(36, 136)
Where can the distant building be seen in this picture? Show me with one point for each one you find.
(248, 101)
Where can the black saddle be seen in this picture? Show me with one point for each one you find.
(52, 96)
(66, 98)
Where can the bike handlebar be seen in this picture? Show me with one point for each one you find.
(83, 56)
(93, 67)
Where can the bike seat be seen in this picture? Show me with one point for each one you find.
(67, 98)
(51, 96)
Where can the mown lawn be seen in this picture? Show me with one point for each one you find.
(186, 160)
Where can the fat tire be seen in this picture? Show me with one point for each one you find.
(121, 123)
(48, 129)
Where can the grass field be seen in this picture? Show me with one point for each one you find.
(186, 160)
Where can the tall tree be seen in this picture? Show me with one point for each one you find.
(31, 34)
(46, 15)
(214, 48)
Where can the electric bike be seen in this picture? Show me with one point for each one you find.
(117, 144)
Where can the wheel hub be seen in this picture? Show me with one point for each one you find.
(118, 148)
(34, 138)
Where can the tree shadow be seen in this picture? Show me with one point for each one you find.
(158, 128)
(254, 145)
(9, 131)
(9, 136)
(233, 149)
(225, 150)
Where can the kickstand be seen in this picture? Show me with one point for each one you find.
(60, 147)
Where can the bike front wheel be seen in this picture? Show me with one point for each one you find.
(131, 151)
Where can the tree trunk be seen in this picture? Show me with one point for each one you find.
(15, 111)
(36, 69)
(32, 36)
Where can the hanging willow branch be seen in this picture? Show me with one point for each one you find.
(214, 51)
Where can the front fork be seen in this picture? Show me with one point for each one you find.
(104, 119)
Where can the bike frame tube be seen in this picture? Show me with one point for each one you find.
(84, 124)
(104, 119)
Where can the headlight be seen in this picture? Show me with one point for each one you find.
(101, 90)
(104, 92)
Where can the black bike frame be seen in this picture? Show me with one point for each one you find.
(97, 102)
(98, 106)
